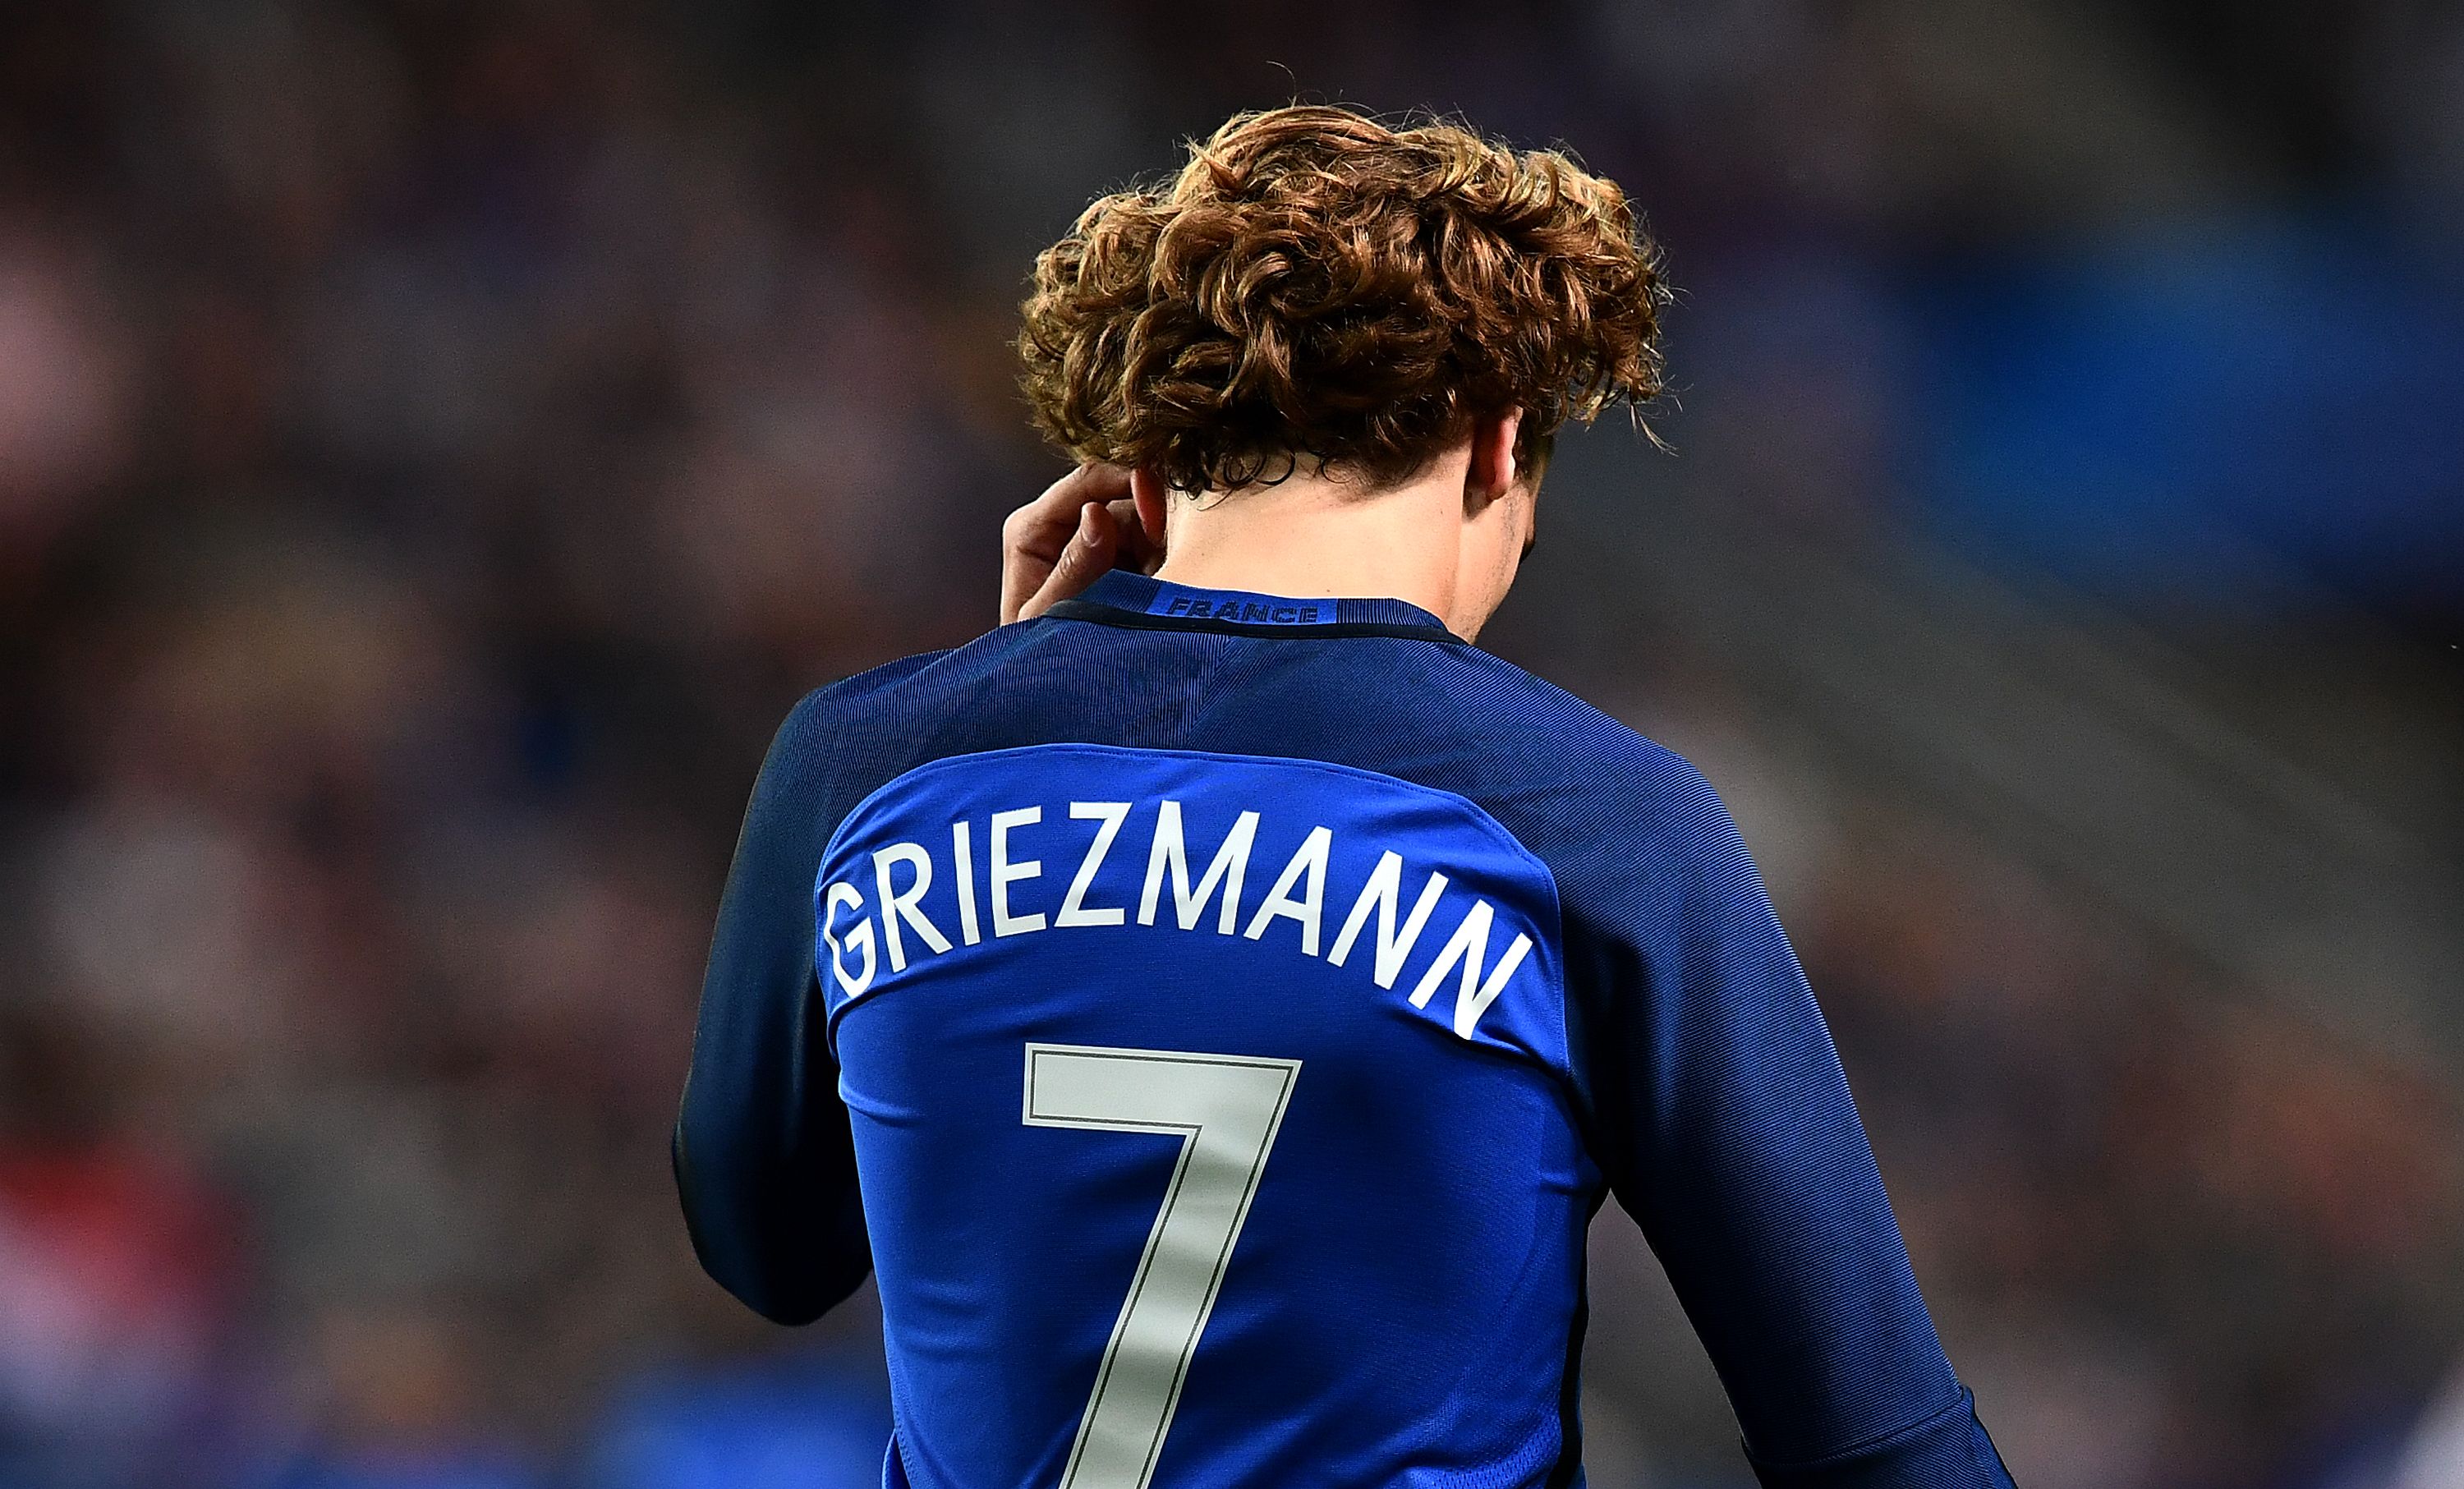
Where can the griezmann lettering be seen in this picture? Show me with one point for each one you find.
(1203, 860)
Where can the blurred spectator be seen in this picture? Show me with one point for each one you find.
(118, 1273)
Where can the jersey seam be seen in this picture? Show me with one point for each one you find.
(1964, 1401)
(1535, 1259)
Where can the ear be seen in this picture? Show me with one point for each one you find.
(1147, 489)
(1492, 469)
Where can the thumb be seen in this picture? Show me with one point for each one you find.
(1089, 554)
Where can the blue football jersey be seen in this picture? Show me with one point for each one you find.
(1214, 1019)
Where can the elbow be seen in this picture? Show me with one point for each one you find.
(791, 1307)
(790, 1294)
(800, 1302)
(783, 1287)
(789, 1273)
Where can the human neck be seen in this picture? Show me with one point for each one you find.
(1312, 536)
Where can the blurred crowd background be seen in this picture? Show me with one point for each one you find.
(440, 439)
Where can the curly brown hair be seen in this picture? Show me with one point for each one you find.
(1316, 286)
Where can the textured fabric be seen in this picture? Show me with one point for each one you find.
(1617, 1012)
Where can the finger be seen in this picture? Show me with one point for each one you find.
(1087, 557)
(1047, 523)
(1136, 550)
(1034, 536)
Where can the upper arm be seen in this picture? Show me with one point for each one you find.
(765, 1160)
(1724, 1122)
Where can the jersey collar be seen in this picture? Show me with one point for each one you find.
(1120, 598)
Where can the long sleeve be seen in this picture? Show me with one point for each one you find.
(764, 1162)
(1725, 1125)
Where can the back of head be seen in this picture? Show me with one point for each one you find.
(1316, 289)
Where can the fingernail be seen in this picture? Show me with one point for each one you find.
(1086, 522)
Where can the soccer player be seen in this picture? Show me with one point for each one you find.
(1215, 1005)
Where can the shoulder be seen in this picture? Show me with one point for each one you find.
(1578, 771)
(834, 733)
(853, 693)
(1646, 860)
(869, 728)
(933, 683)
(1632, 835)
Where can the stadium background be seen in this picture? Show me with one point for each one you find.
(438, 440)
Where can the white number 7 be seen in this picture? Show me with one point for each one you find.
(1226, 1110)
